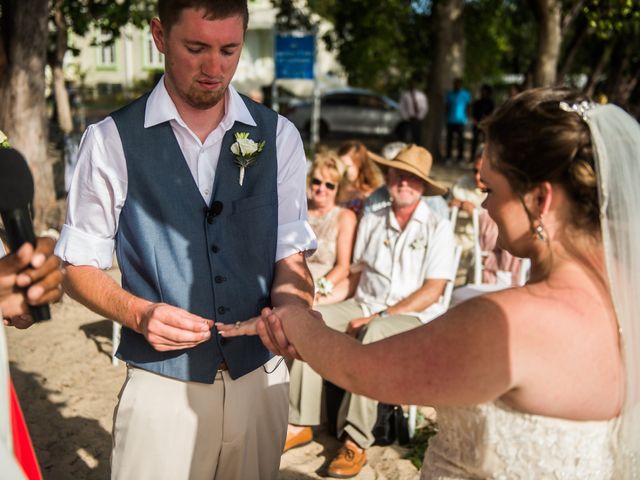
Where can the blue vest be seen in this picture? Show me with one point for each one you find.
(216, 260)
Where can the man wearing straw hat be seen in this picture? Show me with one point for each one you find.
(403, 258)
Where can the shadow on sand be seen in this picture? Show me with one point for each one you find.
(80, 446)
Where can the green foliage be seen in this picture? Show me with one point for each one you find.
(108, 16)
(380, 44)
(289, 17)
(419, 443)
(489, 32)
(608, 17)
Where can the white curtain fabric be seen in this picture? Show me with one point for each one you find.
(616, 138)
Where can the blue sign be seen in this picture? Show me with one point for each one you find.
(295, 55)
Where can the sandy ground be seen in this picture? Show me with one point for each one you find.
(68, 389)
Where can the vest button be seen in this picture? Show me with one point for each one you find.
(220, 279)
(222, 310)
(215, 248)
(209, 219)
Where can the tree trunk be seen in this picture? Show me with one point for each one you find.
(22, 93)
(598, 68)
(580, 35)
(623, 74)
(63, 109)
(448, 63)
(549, 13)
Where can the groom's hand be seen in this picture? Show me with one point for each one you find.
(171, 328)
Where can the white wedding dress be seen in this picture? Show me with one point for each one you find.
(493, 441)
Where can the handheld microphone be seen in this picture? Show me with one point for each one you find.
(16, 194)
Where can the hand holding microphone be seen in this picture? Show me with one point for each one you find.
(31, 276)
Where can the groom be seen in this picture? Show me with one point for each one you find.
(197, 238)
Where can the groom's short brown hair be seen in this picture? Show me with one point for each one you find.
(169, 11)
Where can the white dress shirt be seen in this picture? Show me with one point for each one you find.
(99, 187)
(413, 104)
(394, 263)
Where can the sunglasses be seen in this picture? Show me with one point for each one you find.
(317, 182)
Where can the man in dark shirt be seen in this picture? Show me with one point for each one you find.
(481, 108)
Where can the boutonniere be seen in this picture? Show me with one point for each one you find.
(418, 244)
(246, 151)
(4, 141)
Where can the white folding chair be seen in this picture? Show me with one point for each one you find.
(479, 255)
(445, 300)
(453, 217)
(115, 341)
(525, 269)
(477, 251)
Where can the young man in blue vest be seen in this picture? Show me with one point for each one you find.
(202, 192)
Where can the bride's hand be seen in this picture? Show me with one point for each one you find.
(271, 331)
(276, 326)
(238, 329)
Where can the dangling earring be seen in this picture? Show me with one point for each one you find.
(539, 230)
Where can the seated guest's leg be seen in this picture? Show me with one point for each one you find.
(305, 391)
(358, 414)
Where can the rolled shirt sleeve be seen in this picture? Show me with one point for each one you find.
(96, 197)
(294, 232)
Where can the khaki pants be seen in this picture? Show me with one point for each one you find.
(357, 414)
(170, 429)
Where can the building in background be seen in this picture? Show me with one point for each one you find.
(133, 60)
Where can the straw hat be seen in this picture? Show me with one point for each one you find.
(415, 160)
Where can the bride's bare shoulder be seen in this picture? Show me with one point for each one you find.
(537, 301)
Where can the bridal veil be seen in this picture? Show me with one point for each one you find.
(616, 139)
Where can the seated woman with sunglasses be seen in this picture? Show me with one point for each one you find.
(334, 226)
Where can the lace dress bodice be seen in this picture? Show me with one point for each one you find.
(493, 441)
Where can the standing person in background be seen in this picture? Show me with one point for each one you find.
(202, 192)
(334, 226)
(481, 109)
(414, 107)
(362, 176)
(458, 101)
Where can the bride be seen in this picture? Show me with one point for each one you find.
(540, 381)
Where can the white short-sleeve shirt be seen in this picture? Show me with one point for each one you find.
(99, 186)
(395, 263)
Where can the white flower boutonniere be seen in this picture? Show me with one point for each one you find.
(418, 244)
(246, 151)
(4, 141)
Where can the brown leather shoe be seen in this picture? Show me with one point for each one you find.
(299, 439)
(348, 461)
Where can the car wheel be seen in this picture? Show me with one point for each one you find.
(401, 133)
(324, 130)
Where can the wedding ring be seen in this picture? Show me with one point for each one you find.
(238, 324)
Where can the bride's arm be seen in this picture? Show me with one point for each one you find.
(463, 357)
